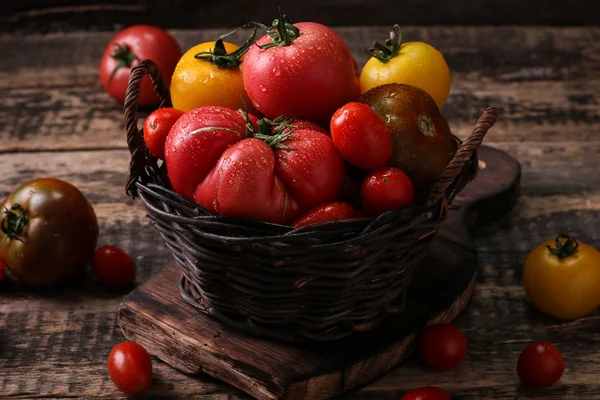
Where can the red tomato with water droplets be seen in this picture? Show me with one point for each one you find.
(309, 75)
(213, 161)
(156, 128)
(361, 137)
(333, 211)
(427, 393)
(386, 189)
(540, 364)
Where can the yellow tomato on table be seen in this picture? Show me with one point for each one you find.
(562, 277)
(213, 80)
(413, 63)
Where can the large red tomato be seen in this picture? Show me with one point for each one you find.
(299, 70)
(212, 160)
(128, 48)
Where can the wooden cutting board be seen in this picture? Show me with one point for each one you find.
(155, 316)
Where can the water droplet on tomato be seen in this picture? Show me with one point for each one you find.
(263, 88)
(276, 71)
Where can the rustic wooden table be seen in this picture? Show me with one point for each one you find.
(55, 120)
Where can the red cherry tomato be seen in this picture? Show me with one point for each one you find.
(540, 364)
(157, 127)
(130, 367)
(112, 266)
(427, 393)
(2, 271)
(443, 347)
(386, 189)
(127, 49)
(361, 136)
(332, 211)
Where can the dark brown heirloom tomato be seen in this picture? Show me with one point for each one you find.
(49, 231)
(422, 144)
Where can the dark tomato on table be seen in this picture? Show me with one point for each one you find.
(49, 232)
(540, 364)
(130, 367)
(156, 128)
(386, 189)
(361, 136)
(303, 70)
(113, 266)
(427, 393)
(443, 347)
(332, 211)
(128, 48)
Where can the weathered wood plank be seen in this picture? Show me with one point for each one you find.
(543, 113)
(498, 53)
(61, 15)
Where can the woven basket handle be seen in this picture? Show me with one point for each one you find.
(140, 155)
(464, 153)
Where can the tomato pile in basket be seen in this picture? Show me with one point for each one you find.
(284, 128)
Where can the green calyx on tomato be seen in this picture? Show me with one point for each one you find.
(272, 132)
(219, 56)
(385, 52)
(282, 32)
(124, 57)
(14, 222)
(564, 249)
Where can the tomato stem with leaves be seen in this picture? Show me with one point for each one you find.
(124, 57)
(219, 56)
(566, 249)
(272, 132)
(14, 223)
(385, 52)
(282, 32)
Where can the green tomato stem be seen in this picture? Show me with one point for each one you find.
(219, 57)
(14, 222)
(124, 57)
(385, 52)
(566, 249)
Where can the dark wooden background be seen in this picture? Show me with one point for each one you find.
(67, 15)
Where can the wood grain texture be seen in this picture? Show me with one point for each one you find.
(68, 15)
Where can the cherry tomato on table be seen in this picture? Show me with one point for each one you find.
(427, 393)
(112, 266)
(130, 367)
(361, 136)
(156, 128)
(128, 48)
(540, 364)
(386, 189)
(443, 347)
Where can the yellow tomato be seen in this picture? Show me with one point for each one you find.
(198, 82)
(562, 278)
(414, 63)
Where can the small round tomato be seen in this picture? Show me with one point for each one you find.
(209, 74)
(128, 48)
(427, 393)
(443, 347)
(413, 63)
(562, 277)
(130, 367)
(540, 364)
(333, 211)
(386, 189)
(112, 266)
(360, 136)
(157, 127)
(2, 271)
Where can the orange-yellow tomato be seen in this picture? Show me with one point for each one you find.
(562, 278)
(413, 63)
(197, 82)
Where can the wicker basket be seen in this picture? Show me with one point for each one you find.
(317, 283)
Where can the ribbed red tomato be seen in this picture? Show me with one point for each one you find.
(301, 70)
(213, 160)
